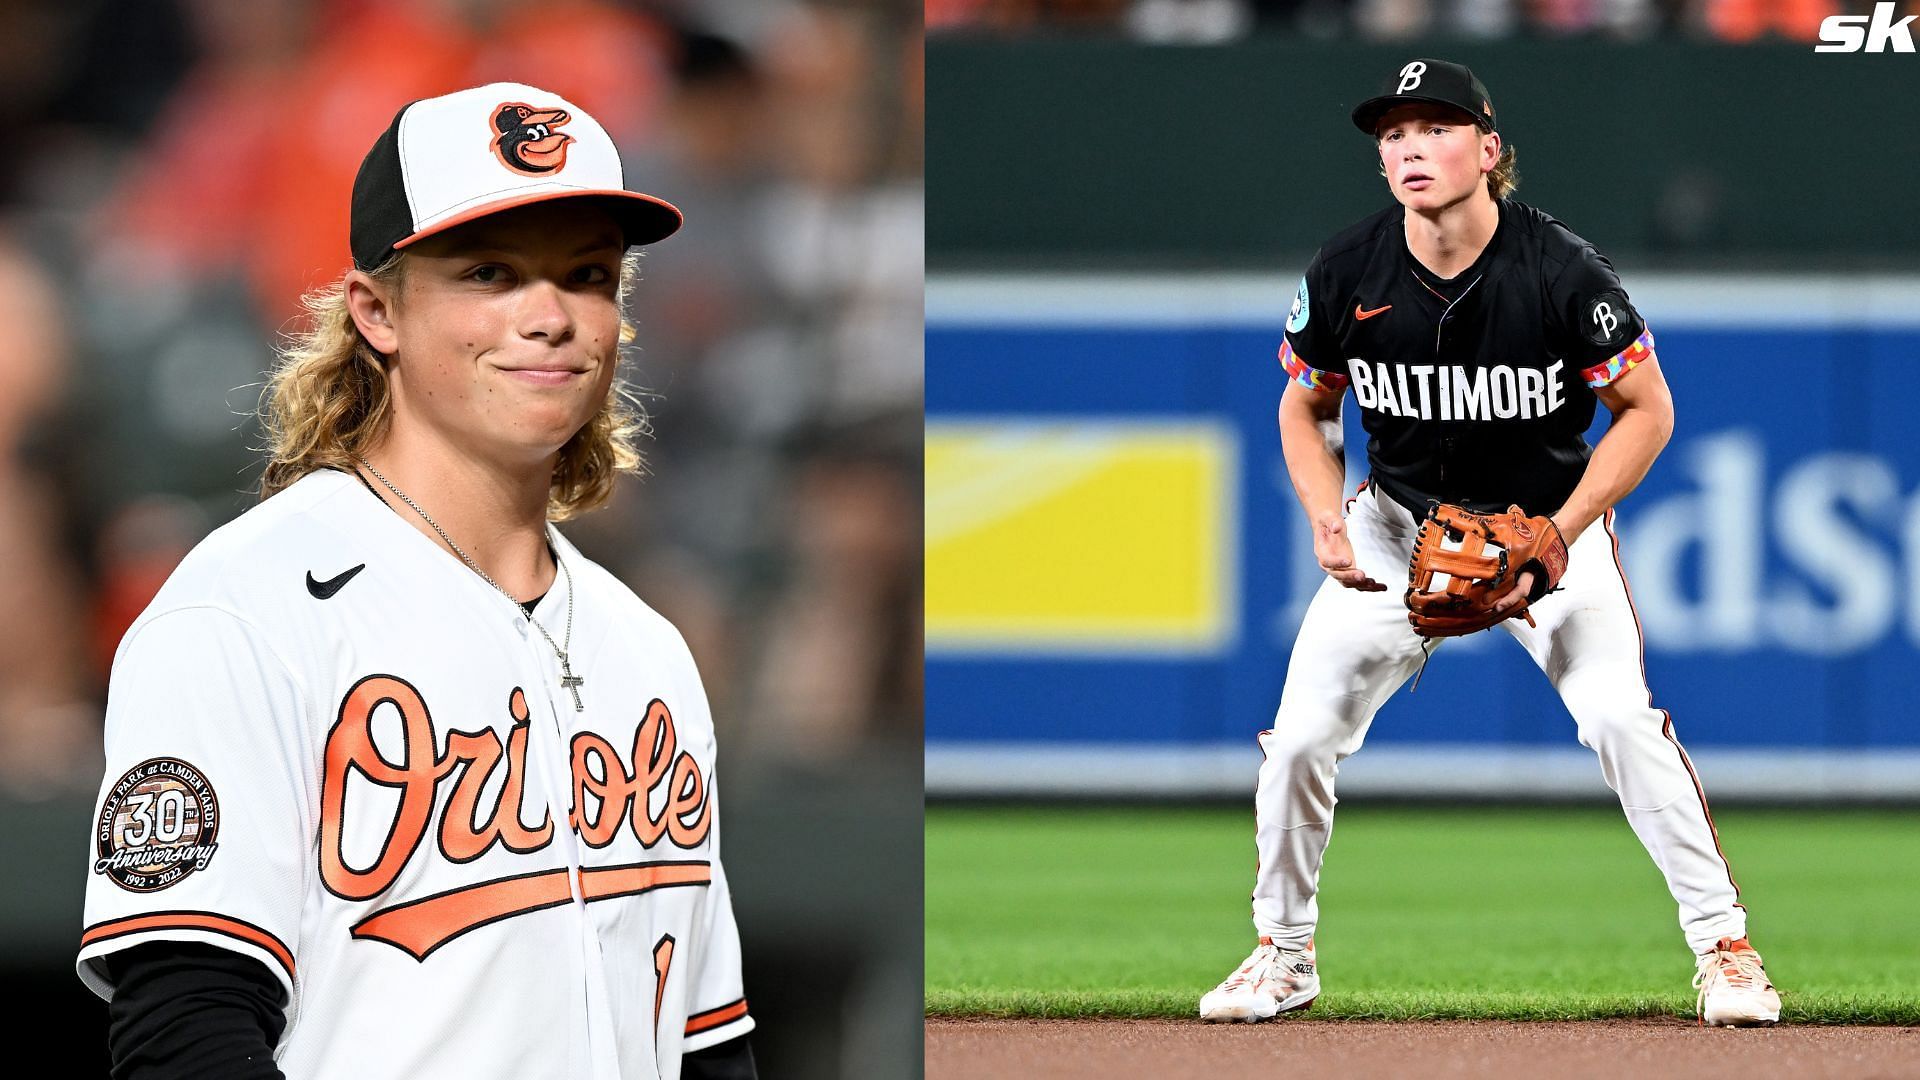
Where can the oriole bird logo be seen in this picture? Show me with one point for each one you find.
(527, 141)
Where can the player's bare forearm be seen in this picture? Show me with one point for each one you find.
(1311, 439)
(1314, 445)
(1642, 410)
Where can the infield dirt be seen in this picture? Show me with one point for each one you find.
(1189, 1050)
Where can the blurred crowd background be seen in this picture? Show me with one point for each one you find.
(182, 178)
(1213, 21)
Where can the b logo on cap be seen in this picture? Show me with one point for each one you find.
(1410, 76)
(527, 142)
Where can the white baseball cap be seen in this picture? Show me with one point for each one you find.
(447, 160)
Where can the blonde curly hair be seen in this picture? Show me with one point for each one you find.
(326, 402)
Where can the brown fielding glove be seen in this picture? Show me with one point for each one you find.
(1481, 555)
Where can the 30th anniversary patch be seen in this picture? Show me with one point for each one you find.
(157, 825)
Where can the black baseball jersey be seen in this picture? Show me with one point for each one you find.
(1477, 390)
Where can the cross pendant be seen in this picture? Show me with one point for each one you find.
(572, 683)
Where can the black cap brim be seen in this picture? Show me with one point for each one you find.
(644, 219)
(1367, 114)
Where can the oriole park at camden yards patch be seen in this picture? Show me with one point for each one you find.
(157, 824)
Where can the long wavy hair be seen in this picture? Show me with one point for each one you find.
(327, 401)
(1505, 175)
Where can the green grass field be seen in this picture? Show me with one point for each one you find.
(1494, 912)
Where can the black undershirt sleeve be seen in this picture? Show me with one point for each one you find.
(730, 1060)
(182, 1010)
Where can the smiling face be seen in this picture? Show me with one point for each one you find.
(503, 333)
(1433, 155)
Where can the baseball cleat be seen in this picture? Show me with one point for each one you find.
(1271, 982)
(1734, 991)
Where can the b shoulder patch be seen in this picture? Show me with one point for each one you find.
(157, 825)
(1607, 319)
(1297, 318)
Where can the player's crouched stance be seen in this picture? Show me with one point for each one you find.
(1478, 335)
(400, 784)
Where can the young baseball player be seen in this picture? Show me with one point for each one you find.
(399, 784)
(1477, 335)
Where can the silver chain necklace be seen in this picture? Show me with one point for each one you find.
(568, 680)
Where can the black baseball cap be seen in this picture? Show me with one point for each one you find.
(448, 160)
(1428, 81)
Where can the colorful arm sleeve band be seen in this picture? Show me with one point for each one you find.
(1624, 361)
(1310, 377)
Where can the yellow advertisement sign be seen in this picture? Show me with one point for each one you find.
(1080, 535)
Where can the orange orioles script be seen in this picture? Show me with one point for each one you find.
(621, 796)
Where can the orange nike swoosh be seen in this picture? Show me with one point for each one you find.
(1363, 315)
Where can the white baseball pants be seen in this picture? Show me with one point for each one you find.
(1356, 648)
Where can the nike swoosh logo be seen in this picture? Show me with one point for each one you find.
(324, 590)
(1363, 316)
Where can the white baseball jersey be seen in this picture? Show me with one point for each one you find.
(334, 748)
